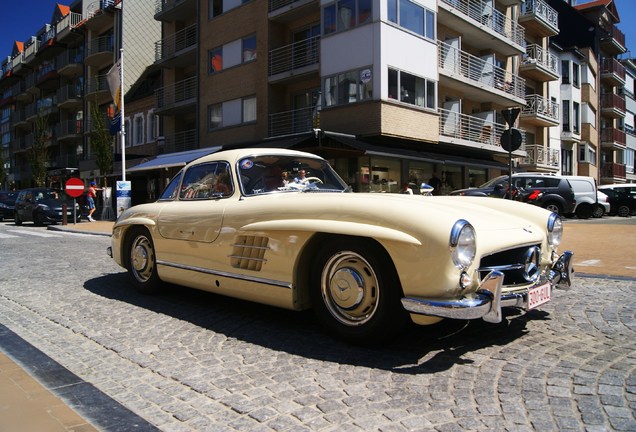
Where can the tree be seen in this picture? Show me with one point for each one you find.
(38, 154)
(101, 142)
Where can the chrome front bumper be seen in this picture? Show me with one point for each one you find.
(488, 300)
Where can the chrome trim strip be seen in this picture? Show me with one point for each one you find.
(238, 276)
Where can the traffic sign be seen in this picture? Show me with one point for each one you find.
(510, 115)
(74, 187)
(511, 140)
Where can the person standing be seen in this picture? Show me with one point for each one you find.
(91, 194)
(436, 184)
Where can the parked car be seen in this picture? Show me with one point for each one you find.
(622, 198)
(603, 206)
(551, 192)
(43, 205)
(231, 224)
(7, 204)
(585, 194)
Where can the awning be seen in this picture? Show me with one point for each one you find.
(171, 160)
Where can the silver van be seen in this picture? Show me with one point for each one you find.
(585, 194)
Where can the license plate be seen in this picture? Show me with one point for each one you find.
(538, 296)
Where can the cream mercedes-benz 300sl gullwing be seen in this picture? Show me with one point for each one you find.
(280, 227)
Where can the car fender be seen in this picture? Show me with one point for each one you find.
(334, 227)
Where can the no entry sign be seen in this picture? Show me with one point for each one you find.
(74, 187)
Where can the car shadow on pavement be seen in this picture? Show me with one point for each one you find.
(419, 350)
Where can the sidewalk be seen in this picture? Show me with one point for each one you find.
(27, 405)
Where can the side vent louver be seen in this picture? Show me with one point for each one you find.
(249, 252)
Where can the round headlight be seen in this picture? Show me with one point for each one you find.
(555, 230)
(462, 244)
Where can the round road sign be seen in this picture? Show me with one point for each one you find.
(74, 187)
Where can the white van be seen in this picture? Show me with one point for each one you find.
(585, 194)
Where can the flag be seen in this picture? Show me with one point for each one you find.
(114, 83)
(115, 124)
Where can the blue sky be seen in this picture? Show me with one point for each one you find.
(23, 18)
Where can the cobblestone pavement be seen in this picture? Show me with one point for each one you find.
(187, 360)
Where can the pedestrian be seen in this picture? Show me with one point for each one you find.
(406, 189)
(436, 184)
(90, 198)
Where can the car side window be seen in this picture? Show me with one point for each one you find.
(170, 192)
(207, 180)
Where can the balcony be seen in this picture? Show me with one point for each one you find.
(296, 59)
(29, 83)
(612, 72)
(178, 97)
(17, 62)
(175, 10)
(99, 15)
(31, 49)
(70, 96)
(46, 77)
(293, 122)
(613, 41)
(539, 18)
(19, 92)
(539, 64)
(540, 111)
(179, 141)
(289, 10)
(473, 76)
(542, 158)
(66, 28)
(470, 131)
(100, 51)
(70, 63)
(612, 172)
(178, 49)
(97, 89)
(612, 138)
(613, 105)
(71, 130)
(482, 25)
(19, 118)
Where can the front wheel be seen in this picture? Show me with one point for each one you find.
(554, 207)
(584, 211)
(142, 262)
(355, 292)
(598, 212)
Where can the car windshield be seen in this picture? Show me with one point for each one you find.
(493, 182)
(48, 195)
(275, 174)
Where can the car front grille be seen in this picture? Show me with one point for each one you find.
(520, 266)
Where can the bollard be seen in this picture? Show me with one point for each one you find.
(64, 210)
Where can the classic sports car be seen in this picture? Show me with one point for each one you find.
(280, 227)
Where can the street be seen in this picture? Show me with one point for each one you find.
(192, 361)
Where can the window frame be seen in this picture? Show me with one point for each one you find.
(429, 18)
(427, 98)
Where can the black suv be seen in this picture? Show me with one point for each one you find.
(551, 192)
(42, 205)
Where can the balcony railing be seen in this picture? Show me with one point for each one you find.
(100, 45)
(166, 48)
(485, 14)
(543, 11)
(535, 54)
(68, 21)
(180, 141)
(613, 170)
(613, 101)
(613, 137)
(294, 56)
(470, 128)
(277, 4)
(68, 92)
(537, 154)
(49, 35)
(182, 91)
(31, 49)
(97, 83)
(610, 67)
(479, 71)
(17, 60)
(72, 56)
(539, 106)
(166, 5)
(69, 128)
(293, 122)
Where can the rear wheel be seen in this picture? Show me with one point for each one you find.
(598, 212)
(142, 263)
(554, 207)
(623, 211)
(355, 291)
(584, 211)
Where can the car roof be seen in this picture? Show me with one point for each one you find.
(234, 155)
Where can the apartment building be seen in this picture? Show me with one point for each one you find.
(629, 122)
(59, 74)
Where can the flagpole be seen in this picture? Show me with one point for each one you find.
(122, 131)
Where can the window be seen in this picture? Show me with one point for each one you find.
(348, 87)
(576, 72)
(412, 17)
(127, 130)
(587, 153)
(576, 118)
(217, 7)
(152, 122)
(346, 14)
(565, 72)
(566, 116)
(412, 89)
(231, 113)
(566, 162)
(232, 54)
(207, 180)
(138, 129)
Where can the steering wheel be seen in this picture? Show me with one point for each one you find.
(312, 180)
